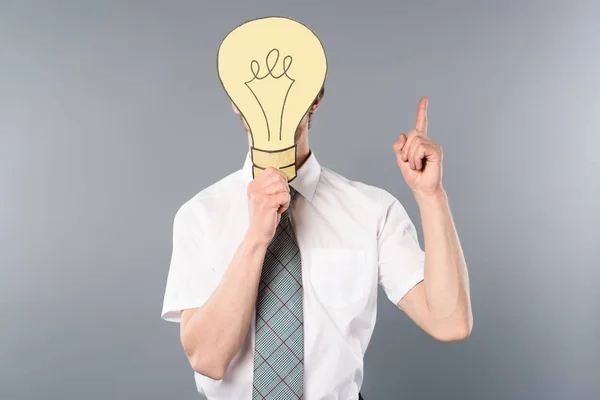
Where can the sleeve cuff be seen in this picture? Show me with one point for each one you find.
(172, 313)
(396, 294)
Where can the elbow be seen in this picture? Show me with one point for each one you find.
(205, 360)
(206, 355)
(212, 367)
(454, 335)
(457, 331)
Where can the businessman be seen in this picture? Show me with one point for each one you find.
(274, 283)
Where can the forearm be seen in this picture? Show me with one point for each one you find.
(446, 280)
(213, 334)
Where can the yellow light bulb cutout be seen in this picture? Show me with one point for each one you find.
(272, 69)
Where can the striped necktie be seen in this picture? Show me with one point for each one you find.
(279, 345)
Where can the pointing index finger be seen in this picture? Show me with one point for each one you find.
(422, 115)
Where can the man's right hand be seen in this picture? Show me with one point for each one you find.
(213, 334)
(268, 197)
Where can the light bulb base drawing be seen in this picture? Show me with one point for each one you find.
(284, 160)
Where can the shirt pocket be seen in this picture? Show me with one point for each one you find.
(338, 276)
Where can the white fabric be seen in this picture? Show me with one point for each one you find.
(351, 236)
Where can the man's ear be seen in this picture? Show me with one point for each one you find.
(235, 109)
(317, 101)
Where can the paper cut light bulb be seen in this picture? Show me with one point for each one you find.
(272, 70)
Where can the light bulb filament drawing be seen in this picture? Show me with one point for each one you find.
(270, 97)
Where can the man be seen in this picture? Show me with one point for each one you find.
(275, 283)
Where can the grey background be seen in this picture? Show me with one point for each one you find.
(112, 115)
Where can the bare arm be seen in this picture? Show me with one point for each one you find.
(213, 334)
(440, 304)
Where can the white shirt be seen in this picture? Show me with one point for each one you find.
(351, 236)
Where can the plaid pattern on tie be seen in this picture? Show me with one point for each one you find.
(279, 345)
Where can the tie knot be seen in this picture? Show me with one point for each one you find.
(286, 214)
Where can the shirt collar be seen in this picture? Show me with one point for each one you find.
(306, 180)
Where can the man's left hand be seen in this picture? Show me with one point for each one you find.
(419, 157)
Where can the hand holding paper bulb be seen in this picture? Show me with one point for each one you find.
(272, 69)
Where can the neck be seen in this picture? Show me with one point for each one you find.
(302, 151)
